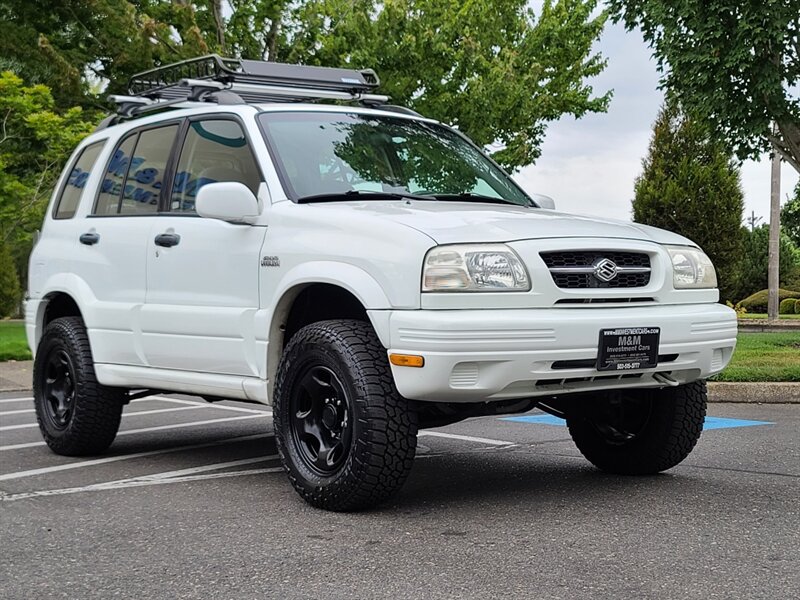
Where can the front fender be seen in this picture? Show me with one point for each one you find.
(354, 279)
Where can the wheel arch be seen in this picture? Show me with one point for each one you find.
(333, 291)
(64, 295)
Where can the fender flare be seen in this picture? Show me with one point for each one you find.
(349, 277)
(346, 276)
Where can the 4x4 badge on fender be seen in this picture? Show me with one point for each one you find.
(605, 269)
(270, 261)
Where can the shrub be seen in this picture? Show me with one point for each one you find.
(757, 303)
(740, 310)
(786, 306)
(797, 307)
(10, 292)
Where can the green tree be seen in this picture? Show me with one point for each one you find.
(735, 64)
(35, 141)
(790, 217)
(753, 265)
(10, 294)
(492, 68)
(690, 185)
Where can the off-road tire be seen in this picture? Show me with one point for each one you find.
(384, 424)
(95, 410)
(667, 436)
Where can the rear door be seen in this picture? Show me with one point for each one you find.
(111, 242)
(202, 274)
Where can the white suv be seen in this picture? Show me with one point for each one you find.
(366, 270)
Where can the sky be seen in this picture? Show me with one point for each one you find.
(588, 166)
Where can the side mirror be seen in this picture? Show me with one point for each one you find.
(229, 201)
(544, 201)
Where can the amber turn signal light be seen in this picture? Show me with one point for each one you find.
(406, 360)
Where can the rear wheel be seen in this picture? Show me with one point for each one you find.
(639, 432)
(77, 416)
(345, 435)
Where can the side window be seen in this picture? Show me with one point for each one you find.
(215, 150)
(146, 171)
(111, 188)
(72, 190)
(135, 173)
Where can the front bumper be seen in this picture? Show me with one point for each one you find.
(482, 355)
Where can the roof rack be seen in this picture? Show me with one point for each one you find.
(213, 78)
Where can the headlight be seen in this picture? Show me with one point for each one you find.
(691, 268)
(470, 268)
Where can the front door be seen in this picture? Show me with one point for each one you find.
(202, 298)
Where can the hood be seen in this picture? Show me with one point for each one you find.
(464, 222)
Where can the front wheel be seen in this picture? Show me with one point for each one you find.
(639, 432)
(345, 436)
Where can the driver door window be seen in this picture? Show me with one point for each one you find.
(214, 150)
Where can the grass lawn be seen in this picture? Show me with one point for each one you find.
(764, 316)
(764, 357)
(13, 345)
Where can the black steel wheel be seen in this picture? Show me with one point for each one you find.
(638, 432)
(322, 428)
(345, 436)
(77, 416)
(59, 389)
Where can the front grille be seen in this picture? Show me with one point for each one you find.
(579, 269)
(620, 300)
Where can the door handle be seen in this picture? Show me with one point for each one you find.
(90, 239)
(167, 240)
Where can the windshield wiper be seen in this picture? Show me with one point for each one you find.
(359, 195)
(471, 197)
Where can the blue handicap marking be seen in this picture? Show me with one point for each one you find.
(538, 419)
(723, 423)
(710, 422)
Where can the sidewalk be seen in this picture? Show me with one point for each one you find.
(15, 376)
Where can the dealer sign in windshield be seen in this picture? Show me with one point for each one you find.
(628, 348)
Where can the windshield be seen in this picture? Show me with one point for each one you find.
(323, 153)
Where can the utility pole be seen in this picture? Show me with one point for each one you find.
(753, 220)
(774, 237)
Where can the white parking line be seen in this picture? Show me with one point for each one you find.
(137, 413)
(261, 414)
(17, 412)
(193, 424)
(466, 438)
(110, 459)
(136, 483)
(23, 426)
(9, 400)
(203, 468)
(212, 404)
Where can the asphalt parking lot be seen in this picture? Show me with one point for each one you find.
(190, 502)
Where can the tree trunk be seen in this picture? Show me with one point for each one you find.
(791, 141)
(219, 23)
(272, 38)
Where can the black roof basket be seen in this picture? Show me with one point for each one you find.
(212, 78)
(255, 81)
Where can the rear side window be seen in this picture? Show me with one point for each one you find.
(135, 174)
(215, 150)
(72, 190)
